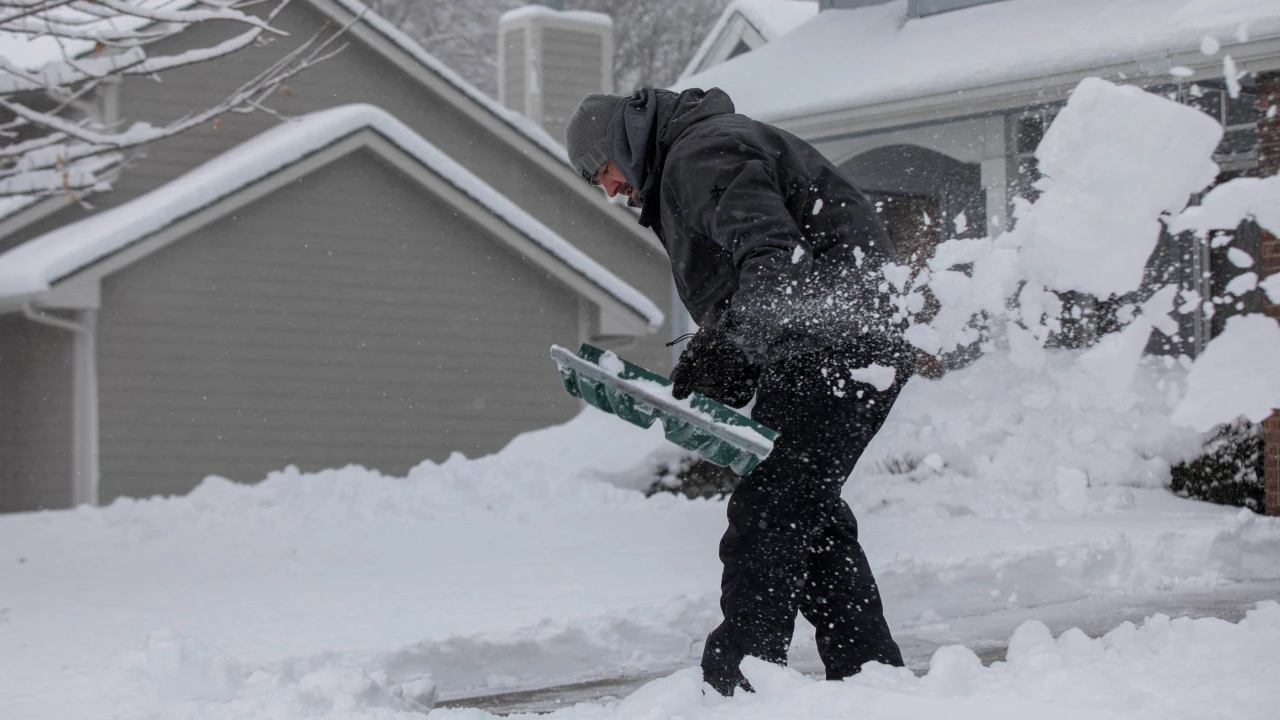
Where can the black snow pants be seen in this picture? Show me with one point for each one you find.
(792, 543)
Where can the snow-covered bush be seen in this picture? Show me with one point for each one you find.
(694, 478)
(1229, 470)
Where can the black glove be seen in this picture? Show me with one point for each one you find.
(712, 365)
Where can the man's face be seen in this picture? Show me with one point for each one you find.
(610, 178)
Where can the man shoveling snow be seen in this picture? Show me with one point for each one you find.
(778, 258)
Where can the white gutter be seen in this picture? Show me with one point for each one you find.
(84, 414)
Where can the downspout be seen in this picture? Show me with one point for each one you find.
(84, 418)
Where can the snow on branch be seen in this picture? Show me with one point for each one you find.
(55, 55)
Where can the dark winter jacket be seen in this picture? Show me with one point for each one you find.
(767, 240)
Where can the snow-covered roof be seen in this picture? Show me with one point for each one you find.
(35, 266)
(542, 11)
(771, 18)
(870, 55)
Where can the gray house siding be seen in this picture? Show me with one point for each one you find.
(513, 58)
(359, 74)
(348, 318)
(564, 54)
(35, 415)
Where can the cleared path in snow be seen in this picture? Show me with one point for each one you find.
(986, 635)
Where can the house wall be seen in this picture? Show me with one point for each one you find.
(515, 55)
(347, 318)
(573, 67)
(360, 75)
(35, 415)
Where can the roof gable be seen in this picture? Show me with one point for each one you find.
(385, 40)
(751, 23)
(36, 266)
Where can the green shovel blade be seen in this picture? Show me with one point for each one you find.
(719, 434)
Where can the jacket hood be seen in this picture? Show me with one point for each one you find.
(676, 113)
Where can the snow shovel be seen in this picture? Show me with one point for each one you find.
(718, 434)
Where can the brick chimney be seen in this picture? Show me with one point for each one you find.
(548, 60)
(1269, 164)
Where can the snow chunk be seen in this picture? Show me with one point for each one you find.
(877, 376)
(1227, 204)
(1114, 160)
(1236, 375)
(1272, 287)
(1241, 284)
(610, 362)
(1232, 75)
(1239, 258)
(181, 668)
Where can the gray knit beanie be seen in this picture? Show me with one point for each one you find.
(585, 135)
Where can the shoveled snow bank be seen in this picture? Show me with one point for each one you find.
(1164, 669)
(999, 440)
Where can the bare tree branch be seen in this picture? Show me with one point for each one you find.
(54, 143)
(29, 10)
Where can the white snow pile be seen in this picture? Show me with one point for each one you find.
(1162, 669)
(1118, 162)
(1165, 669)
(351, 594)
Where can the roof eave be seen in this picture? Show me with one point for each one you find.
(1253, 56)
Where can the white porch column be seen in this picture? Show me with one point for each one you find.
(995, 174)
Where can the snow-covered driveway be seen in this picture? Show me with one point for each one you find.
(500, 573)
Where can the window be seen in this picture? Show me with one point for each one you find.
(1028, 130)
(739, 49)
